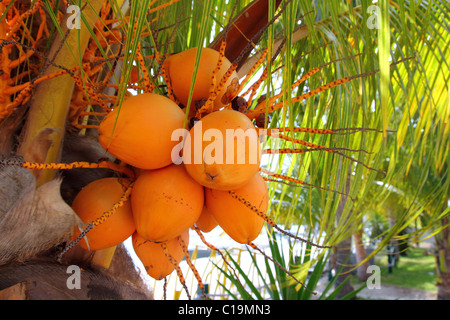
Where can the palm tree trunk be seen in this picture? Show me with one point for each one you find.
(343, 254)
(343, 250)
(443, 263)
(361, 254)
(50, 104)
(393, 248)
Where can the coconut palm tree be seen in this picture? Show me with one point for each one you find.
(359, 86)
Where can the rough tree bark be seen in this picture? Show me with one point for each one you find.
(343, 250)
(443, 262)
(361, 254)
(35, 222)
(34, 225)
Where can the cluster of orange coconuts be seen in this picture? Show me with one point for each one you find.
(167, 199)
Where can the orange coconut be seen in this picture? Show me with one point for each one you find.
(165, 202)
(140, 131)
(92, 201)
(153, 257)
(222, 150)
(206, 221)
(240, 222)
(180, 67)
